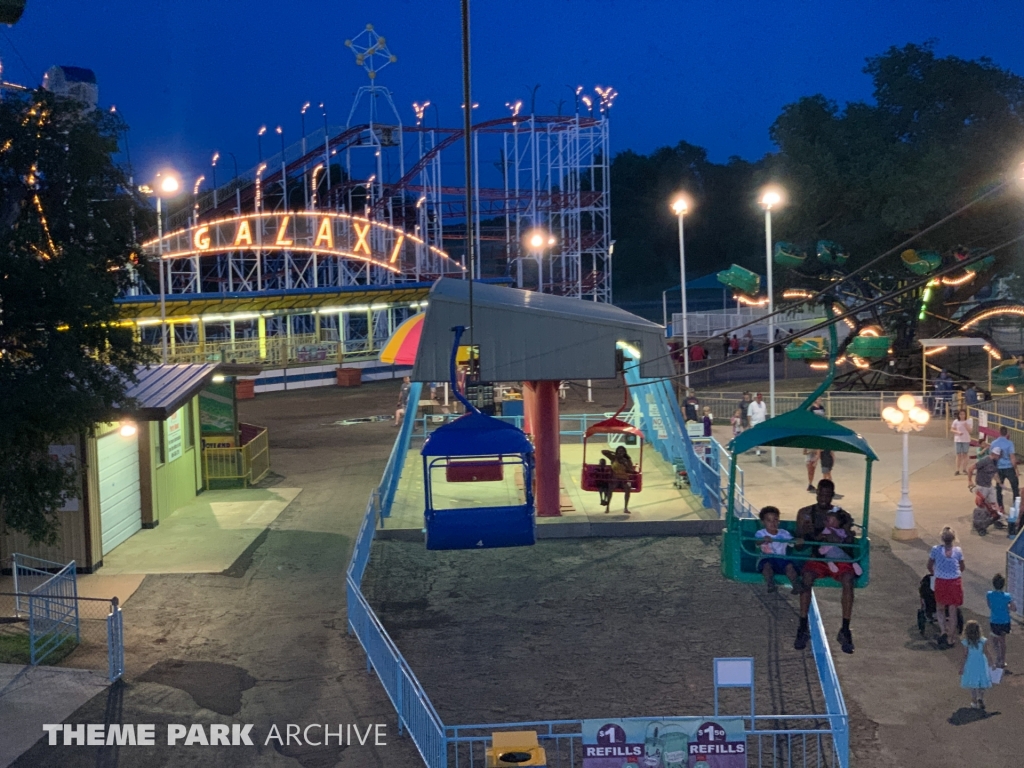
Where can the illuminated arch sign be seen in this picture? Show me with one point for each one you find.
(329, 234)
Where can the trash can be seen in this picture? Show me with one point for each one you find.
(349, 377)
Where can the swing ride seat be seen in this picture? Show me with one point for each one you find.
(831, 253)
(597, 477)
(789, 255)
(473, 448)
(743, 280)
(870, 347)
(921, 262)
(812, 348)
(796, 429)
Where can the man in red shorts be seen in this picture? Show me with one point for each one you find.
(811, 523)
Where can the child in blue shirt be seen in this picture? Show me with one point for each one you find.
(1000, 604)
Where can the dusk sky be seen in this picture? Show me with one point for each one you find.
(191, 77)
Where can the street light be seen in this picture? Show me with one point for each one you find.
(538, 240)
(195, 199)
(166, 184)
(770, 198)
(680, 207)
(905, 418)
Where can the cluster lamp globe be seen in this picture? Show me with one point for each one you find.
(905, 418)
(680, 206)
(536, 240)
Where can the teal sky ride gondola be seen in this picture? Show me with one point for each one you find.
(797, 429)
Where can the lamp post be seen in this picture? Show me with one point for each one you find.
(538, 240)
(305, 189)
(771, 198)
(905, 418)
(195, 200)
(166, 184)
(681, 207)
(284, 172)
(213, 175)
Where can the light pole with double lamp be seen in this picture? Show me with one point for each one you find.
(166, 184)
(770, 198)
(905, 418)
(680, 207)
(538, 240)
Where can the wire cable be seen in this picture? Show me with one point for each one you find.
(914, 285)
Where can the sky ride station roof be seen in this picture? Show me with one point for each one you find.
(529, 336)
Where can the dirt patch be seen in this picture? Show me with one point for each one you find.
(585, 628)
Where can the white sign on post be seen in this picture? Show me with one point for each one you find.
(175, 437)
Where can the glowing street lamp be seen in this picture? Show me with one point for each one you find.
(166, 184)
(905, 418)
(680, 207)
(538, 240)
(770, 198)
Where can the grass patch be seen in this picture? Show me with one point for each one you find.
(14, 649)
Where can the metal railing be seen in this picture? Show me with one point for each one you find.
(838, 405)
(247, 464)
(821, 741)
(810, 741)
(115, 642)
(274, 351)
(52, 613)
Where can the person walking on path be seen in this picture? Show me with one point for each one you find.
(946, 563)
(962, 427)
(403, 401)
(974, 665)
(1007, 465)
(810, 525)
(979, 478)
(811, 458)
(745, 408)
(757, 413)
(1000, 603)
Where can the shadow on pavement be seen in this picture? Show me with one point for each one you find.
(967, 715)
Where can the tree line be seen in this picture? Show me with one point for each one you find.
(940, 133)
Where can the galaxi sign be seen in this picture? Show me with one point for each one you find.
(329, 234)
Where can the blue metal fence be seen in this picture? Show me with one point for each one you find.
(393, 469)
(115, 642)
(53, 614)
(773, 742)
(821, 741)
(415, 712)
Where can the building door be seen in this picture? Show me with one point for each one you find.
(120, 499)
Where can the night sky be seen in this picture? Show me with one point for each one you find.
(191, 77)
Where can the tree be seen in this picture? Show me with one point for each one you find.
(66, 251)
(941, 132)
(723, 227)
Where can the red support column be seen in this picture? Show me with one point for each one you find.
(545, 424)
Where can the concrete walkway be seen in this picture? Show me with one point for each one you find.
(31, 696)
(659, 501)
(205, 536)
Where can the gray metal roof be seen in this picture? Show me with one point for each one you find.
(163, 389)
(528, 336)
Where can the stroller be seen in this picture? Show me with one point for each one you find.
(926, 613)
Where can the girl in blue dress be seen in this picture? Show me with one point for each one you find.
(975, 664)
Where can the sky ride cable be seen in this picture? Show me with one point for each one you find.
(914, 285)
(861, 268)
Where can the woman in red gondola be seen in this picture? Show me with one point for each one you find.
(622, 471)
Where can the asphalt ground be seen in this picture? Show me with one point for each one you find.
(265, 642)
